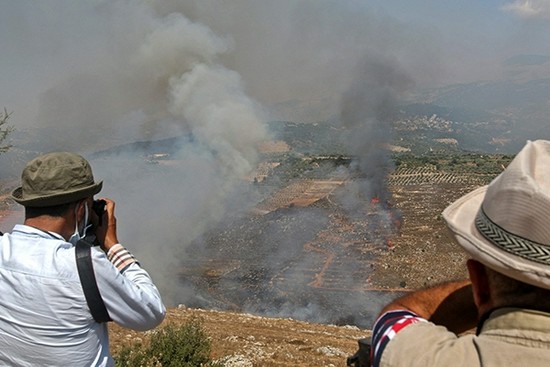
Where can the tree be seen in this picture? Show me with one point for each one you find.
(5, 130)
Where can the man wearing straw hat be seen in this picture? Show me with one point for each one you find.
(45, 314)
(505, 229)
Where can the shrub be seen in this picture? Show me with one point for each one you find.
(185, 345)
(5, 130)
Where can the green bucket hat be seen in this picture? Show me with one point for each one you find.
(55, 179)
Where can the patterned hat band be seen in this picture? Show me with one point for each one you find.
(510, 242)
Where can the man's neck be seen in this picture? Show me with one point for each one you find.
(51, 224)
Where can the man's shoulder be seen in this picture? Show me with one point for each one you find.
(427, 344)
(405, 338)
(387, 327)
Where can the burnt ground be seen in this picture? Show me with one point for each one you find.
(328, 254)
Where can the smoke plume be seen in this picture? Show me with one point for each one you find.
(120, 73)
(366, 114)
(169, 100)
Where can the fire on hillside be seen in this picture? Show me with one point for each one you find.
(310, 262)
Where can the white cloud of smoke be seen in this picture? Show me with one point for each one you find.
(529, 9)
(119, 72)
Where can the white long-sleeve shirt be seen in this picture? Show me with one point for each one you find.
(44, 317)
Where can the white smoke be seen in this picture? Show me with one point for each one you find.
(107, 74)
(529, 8)
(211, 99)
(207, 101)
(115, 73)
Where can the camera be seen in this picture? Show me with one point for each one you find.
(98, 207)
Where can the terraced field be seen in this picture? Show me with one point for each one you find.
(315, 251)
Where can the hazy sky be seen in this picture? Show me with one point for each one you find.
(484, 32)
(282, 49)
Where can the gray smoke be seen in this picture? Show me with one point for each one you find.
(308, 51)
(367, 110)
(120, 73)
(126, 82)
(183, 196)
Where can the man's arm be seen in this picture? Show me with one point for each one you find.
(131, 297)
(449, 304)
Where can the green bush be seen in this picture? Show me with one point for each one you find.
(186, 345)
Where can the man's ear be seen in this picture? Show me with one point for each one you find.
(480, 285)
(80, 209)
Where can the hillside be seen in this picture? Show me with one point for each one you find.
(421, 187)
(420, 191)
(253, 341)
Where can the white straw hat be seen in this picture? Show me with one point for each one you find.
(506, 225)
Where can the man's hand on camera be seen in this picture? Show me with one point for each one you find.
(106, 233)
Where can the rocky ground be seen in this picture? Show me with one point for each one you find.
(423, 252)
(244, 340)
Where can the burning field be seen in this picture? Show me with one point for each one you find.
(302, 253)
(313, 247)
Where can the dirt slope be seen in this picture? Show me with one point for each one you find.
(253, 341)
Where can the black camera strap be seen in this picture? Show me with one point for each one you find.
(83, 251)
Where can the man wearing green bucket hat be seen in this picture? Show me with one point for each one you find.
(47, 315)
